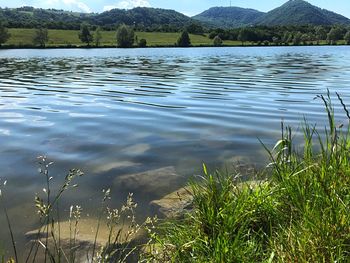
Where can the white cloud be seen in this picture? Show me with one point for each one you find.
(71, 4)
(79, 4)
(127, 4)
(189, 14)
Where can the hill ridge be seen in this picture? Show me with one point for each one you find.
(300, 12)
(292, 12)
(228, 16)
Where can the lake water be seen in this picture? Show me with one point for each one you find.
(113, 112)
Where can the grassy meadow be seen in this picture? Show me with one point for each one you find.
(24, 37)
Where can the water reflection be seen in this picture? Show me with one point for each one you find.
(112, 112)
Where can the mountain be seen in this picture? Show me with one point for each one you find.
(143, 18)
(229, 16)
(299, 12)
(293, 12)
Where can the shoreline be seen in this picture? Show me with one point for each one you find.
(8, 47)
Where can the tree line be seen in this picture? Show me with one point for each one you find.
(285, 35)
(143, 19)
(261, 35)
(125, 37)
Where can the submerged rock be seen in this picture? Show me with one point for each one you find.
(173, 205)
(154, 182)
(242, 167)
(106, 167)
(84, 241)
(137, 149)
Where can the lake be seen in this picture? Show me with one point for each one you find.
(112, 112)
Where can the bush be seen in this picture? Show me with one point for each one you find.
(4, 34)
(41, 37)
(217, 41)
(143, 43)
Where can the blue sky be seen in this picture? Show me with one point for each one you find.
(188, 7)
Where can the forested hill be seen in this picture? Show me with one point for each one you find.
(228, 17)
(143, 18)
(292, 13)
(299, 12)
(30, 17)
(152, 19)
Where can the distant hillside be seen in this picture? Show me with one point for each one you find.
(141, 17)
(30, 17)
(299, 12)
(293, 12)
(227, 17)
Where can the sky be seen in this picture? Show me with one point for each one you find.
(187, 7)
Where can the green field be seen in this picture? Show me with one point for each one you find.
(57, 38)
(24, 37)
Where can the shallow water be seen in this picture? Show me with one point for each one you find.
(113, 112)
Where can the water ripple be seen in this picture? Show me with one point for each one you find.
(115, 111)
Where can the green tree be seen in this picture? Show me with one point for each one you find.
(290, 38)
(41, 37)
(184, 39)
(312, 37)
(217, 41)
(85, 35)
(334, 35)
(297, 38)
(4, 34)
(285, 37)
(243, 35)
(347, 37)
(195, 28)
(98, 36)
(320, 33)
(142, 42)
(276, 41)
(125, 36)
(304, 38)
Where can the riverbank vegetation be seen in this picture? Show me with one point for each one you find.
(297, 209)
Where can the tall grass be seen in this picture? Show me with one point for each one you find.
(48, 244)
(298, 213)
(9, 225)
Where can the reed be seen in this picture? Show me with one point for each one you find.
(122, 226)
(298, 212)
